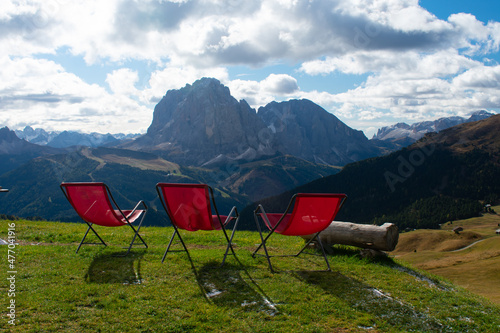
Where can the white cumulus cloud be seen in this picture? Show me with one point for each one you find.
(411, 64)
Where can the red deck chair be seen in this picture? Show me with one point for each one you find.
(188, 207)
(311, 214)
(95, 205)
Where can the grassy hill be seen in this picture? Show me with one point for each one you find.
(470, 259)
(96, 291)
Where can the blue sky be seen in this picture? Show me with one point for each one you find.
(102, 66)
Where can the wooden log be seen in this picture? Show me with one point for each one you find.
(366, 236)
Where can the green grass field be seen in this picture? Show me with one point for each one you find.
(95, 290)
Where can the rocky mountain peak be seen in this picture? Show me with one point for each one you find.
(38, 136)
(7, 135)
(306, 130)
(202, 121)
(202, 124)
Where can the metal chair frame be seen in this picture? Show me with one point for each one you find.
(113, 202)
(210, 199)
(272, 231)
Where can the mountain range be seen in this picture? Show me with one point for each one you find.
(64, 139)
(203, 125)
(14, 152)
(302, 128)
(403, 134)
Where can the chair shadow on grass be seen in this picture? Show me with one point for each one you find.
(368, 299)
(233, 287)
(230, 285)
(116, 268)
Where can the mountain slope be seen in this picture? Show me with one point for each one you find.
(306, 130)
(440, 178)
(482, 135)
(264, 178)
(133, 175)
(458, 257)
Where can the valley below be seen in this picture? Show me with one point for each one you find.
(470, 259)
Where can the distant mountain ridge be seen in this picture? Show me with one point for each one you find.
(15, 152)
(297, 127)
(416, 131)
(63, 139)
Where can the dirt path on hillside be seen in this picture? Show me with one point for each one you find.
(464, 248)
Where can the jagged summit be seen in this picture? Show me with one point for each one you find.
(7, 135)
(201, 121)
(417, 130)
(202, 124)
(63, 139)
(306, 130)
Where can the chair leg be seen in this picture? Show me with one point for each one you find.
(320, 245)
(85, 236)
(136, 234)
(264, 240)
(170, 243)
(230, 240)
(168, 247)
(324, 252)
(307, 244)
(263, 243)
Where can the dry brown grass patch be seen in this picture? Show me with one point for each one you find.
(435, 240)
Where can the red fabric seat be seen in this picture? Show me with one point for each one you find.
(189, 207)
(94, 203)
(310, 214)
